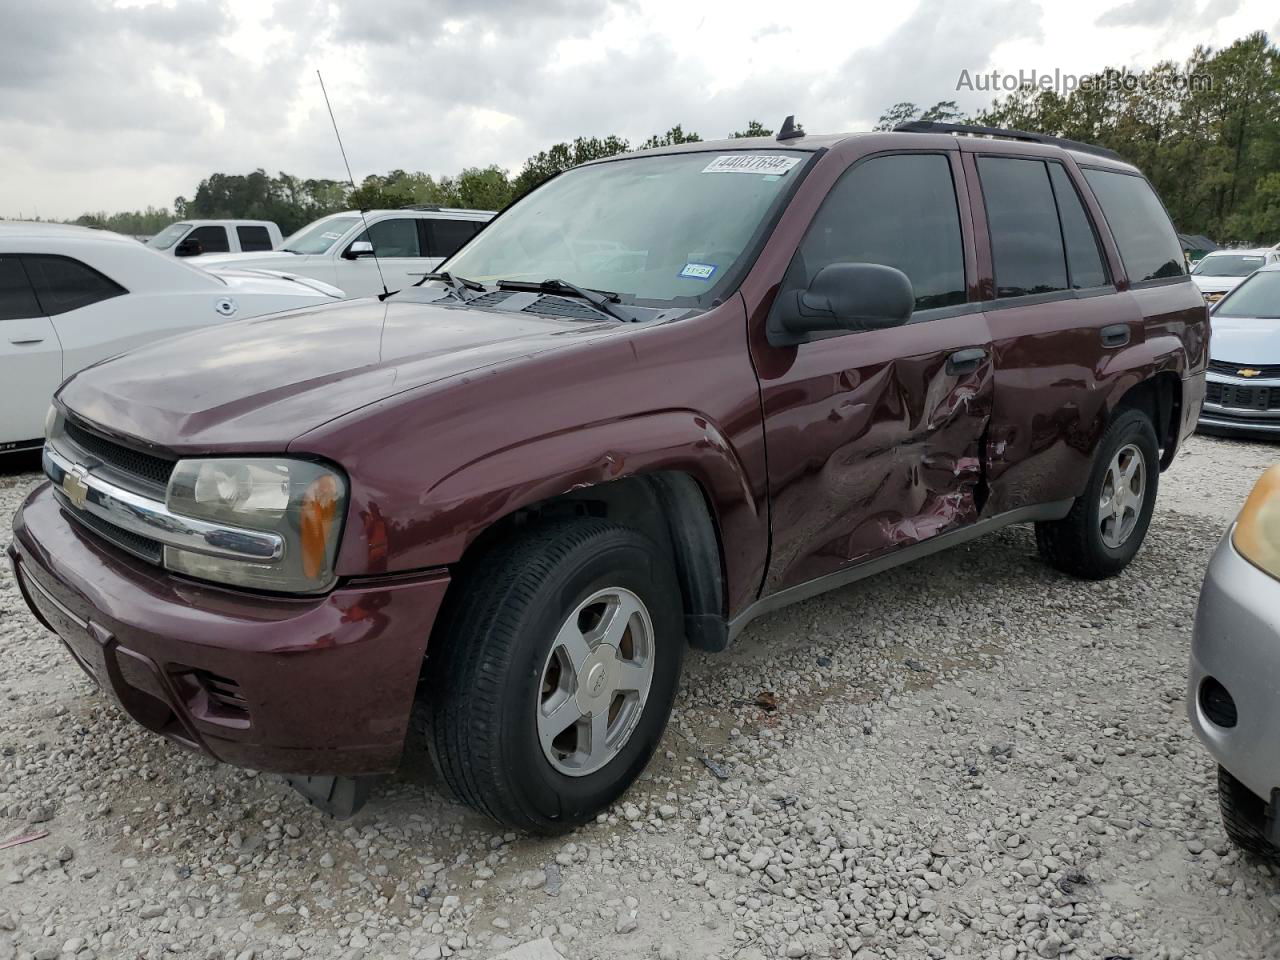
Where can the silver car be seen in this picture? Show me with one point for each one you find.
(1242, 388)
(1233, 696)
(1219, 272)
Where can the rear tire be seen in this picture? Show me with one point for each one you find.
(1092, 542)
(1244, 816)
(567, 614)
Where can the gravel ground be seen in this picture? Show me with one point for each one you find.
(972, 756)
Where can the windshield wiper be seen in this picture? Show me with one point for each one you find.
(602, 300)
(458, 286)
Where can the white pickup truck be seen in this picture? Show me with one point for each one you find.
(338, 250)
(194, 238)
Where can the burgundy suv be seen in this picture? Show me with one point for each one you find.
(662, 394)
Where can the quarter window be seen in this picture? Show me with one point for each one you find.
(899, 211)
(63, 284)
(1084, 260)
(17, 299)
(445, 237)
(211, 239)
(253, 239)
(1026, 241)
(1148, 245)
(394, 238)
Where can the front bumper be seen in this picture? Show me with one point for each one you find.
(314, 685)
(1239, 405)
(1236, 643)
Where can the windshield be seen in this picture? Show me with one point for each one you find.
(167, 237)
(666, 229)
(318, 237)
(1228, 265)
(1259, 296)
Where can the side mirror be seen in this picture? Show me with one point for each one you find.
(189, 247)
(360, 248)
(843, 297)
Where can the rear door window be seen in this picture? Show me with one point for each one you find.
(1084, 257)
(63, 284)
(1026, 242)
(446, 237)
(211, 239)
(1148, 245)
(899, 211)
(253, 239)
(17, 298)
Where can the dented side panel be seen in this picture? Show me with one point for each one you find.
(872, 444)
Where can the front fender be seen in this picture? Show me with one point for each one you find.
(460, 506)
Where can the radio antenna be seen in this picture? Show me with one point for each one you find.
(352, 180)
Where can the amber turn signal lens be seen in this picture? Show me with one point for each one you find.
(319, 512)
(1257, 533)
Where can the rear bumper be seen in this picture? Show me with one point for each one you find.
(1236, 643)
(319, 685)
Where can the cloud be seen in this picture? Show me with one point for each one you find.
(1144, 13)
(114, 104)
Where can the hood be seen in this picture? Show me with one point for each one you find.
(257, 385)
(1246, 341)
(272, 259)
(249, 280)
(1216, 284)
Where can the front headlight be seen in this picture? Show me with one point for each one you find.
(1257, 532)
(302, 501)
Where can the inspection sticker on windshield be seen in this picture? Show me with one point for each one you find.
(751, 163)
(698, 271)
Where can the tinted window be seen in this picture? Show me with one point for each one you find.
(1148, 245)
(1259, 296)
(63, 284)
(444, 237)
(212, 239)
(899, 211)
(17, 299)
(253, 238)
(1084, 259)
(1026, 242)
(394, 238)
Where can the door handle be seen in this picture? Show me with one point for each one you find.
(27, 342)
(965, 361)
(1116, 335)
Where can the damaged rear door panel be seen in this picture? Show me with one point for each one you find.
(874, 438)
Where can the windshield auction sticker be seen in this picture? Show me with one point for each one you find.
(698, 271)
(751, 163)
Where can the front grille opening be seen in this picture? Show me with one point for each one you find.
(213, 698)
(1217, 703)
(142, 547)
(146, 467)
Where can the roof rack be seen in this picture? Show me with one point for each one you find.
(931, 126)
(423, 206)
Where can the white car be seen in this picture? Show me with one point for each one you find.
(70, 296)
(1219, 272)
(192, 238)
(337, 249)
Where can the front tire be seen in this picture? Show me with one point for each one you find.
(555, 673)
(1244, 816)
(1108, 522)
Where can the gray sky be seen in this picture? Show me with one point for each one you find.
(117, 105)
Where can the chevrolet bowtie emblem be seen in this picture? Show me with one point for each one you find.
(74, 486)
(1248, 372)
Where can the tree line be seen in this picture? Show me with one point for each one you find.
(1212, 149)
